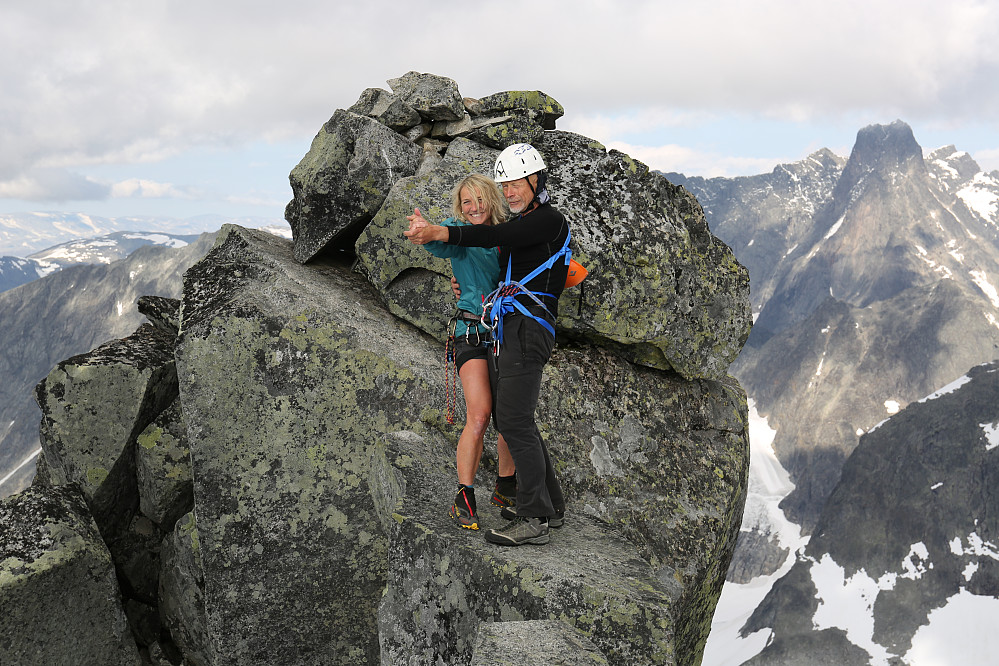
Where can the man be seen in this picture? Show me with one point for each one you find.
(534, 257)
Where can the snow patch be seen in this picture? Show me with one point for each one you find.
(945, 166)
(913, 564)
(961, 632)
(950, 388)
(981, 279)
(284, 231)
(892, 406)
(937, 268)
(982, 201)
(834, 228)
(991, 435)
(976, 547)
(848, 604)
(157, 239)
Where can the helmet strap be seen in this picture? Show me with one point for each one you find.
(540, 194)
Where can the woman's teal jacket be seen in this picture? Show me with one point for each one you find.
(476, 269)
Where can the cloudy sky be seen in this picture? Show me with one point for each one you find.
(188, 107)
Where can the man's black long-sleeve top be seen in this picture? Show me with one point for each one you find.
(530, 239)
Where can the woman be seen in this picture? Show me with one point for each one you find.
(475, 200)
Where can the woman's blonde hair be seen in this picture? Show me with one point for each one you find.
(485, 187)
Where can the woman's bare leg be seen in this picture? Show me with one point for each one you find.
(478, 408)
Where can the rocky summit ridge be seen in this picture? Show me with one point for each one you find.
(260, 475)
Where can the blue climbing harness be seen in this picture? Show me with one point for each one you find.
(503, 300)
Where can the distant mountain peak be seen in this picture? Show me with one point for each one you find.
(956, 166)
(884, 148)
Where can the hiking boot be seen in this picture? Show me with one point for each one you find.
(505, 491)
(555, 522)
(501, 500)
(462, 510)
(520, 531)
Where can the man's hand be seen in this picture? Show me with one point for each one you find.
(422, 232)
(455, 288)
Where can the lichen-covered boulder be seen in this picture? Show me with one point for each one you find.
(59, 598)
(534, 643)
(163, 468)
(343, 179)
(434, 97)
(181, 592)
(93, 407)
(162, 312)
(540, 107)
(287, 374)
(414, 284)
(386, 108)
(662, 460)
(661, 289)
(291, 375)
(516, 126)
(514, 117)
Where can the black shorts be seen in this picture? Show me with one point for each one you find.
(466, 349)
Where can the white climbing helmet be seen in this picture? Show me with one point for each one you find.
(517, 161)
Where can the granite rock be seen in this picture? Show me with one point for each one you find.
(59, 598)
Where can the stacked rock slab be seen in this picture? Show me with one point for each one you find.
(59, 598)
(292, 376)
(341, 183)
(287, 375)
(93, 408)
(181, 592)
(163, 468)
(410, 279)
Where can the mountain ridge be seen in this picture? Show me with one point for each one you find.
(22, 234)
(883, 226)
(81, 306)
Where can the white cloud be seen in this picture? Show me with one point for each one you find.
(135, 187)
(682, 159)
(124, 82)
(52, 185)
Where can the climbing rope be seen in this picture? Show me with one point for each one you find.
(450, 372)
